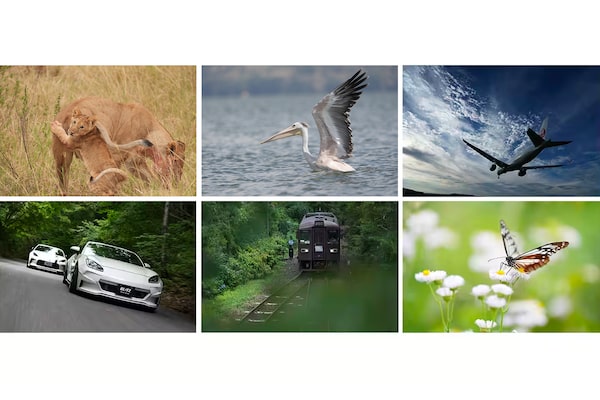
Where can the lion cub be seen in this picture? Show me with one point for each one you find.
(89, 138)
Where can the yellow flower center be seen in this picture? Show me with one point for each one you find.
(426, 272)
(500, 272)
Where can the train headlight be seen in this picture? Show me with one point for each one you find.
(303, 250)
(333, 250)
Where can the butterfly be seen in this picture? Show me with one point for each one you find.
(530, 260)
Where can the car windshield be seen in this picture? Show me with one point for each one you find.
(49, 249)
(115, 253)
(58, 252)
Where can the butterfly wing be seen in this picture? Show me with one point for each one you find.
(538, 257)
(530, 260)
(510, 246)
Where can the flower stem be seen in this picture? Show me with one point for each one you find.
(450, 306)
(435, 297)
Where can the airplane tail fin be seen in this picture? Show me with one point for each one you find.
(544, 128)
(538, 138)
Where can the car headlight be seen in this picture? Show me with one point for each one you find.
(93, 265)
(153, 279)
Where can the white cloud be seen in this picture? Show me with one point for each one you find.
(439, 111)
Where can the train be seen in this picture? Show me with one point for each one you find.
(318, 239)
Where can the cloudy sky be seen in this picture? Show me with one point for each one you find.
(492, 107)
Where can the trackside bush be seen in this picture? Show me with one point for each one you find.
(252, 262)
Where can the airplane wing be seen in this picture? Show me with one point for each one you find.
(486, 155)
(553, 143)
(543, 166)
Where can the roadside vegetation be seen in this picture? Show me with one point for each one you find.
(163, 234)
(30, 98)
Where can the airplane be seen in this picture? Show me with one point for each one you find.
(539, 142)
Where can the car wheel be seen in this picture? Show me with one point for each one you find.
(73, 283)
(28, 264)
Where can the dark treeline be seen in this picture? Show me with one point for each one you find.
(163, 234)
(247, 240)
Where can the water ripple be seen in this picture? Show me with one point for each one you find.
(235, 164)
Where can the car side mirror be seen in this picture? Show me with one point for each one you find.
(147, 265)
(76, 249)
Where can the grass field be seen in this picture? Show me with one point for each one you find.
(460, 238)
(30, 97)
(365, 300)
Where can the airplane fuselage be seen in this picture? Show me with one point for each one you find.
(523, 159)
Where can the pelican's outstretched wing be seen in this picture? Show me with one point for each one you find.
(332, 116)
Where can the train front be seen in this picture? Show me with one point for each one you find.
(318, 238)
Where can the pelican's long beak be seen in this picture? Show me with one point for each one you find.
(291, 130)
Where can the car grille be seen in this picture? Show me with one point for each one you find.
(130, 291)
(47, 264)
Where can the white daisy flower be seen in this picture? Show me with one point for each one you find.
(422, 222)
(525, 314)
(486, 245)
(502, 289)
(428, 276)
(485, 325)
(445, 292)
(439, 237)
(453, 282)
(409, 245)
(480, 291)
(495, 301)
(519, 273)
(499, 275)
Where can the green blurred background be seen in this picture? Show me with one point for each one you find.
(459, 236)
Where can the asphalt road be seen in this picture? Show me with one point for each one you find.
(38, 301)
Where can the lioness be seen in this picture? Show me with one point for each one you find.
(124, 123)
(90, 139)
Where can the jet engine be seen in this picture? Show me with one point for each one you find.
(493, 167)
(522, 172)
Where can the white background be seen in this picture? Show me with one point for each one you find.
(296, 366)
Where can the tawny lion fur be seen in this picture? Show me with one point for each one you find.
(88, 137)
(124, 123)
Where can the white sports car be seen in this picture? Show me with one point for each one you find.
(47, 258)
(113, 272)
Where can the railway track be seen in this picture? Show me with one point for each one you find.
(292, 295)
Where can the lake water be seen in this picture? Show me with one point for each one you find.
(234, 163)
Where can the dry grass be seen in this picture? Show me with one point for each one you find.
(30, 97)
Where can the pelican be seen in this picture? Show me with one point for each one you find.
(331, 115)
